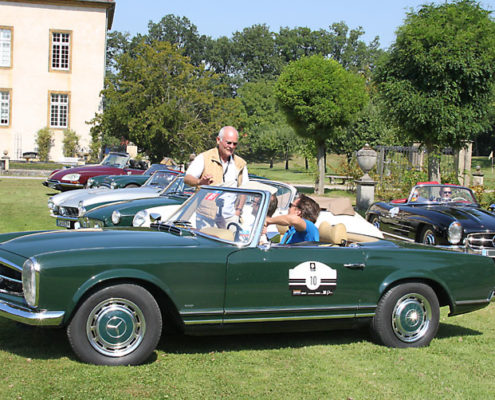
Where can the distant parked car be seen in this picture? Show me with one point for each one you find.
(124, 181)
(436, 214)
(68, 206)
(77, 177)
(122, 213)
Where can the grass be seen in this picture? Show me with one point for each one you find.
(39, 364)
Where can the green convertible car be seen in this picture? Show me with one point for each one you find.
(204, 271)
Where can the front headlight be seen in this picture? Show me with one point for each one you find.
(51, 204)
(81, 209)
(90, 182)
(140, 218)
(115, 217)
(71, 177)
(30, 281)
(455, 232)
(113, 185)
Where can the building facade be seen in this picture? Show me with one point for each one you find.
(52, 68)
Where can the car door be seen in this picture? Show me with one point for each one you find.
(293, 283)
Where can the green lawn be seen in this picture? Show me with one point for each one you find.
(39, 364)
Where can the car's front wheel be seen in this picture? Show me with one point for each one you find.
(407, 315)
(428, 236)
(117, 325)
(375, 220)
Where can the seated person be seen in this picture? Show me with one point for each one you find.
(300, 220)
(445, 193)
(416, 197)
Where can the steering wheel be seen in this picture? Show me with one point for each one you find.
(458, 199)
(238, 230)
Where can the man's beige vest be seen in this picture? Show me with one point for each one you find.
(213, 167)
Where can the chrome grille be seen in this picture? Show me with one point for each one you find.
(10, 280)
(480, 240)
(68, 211)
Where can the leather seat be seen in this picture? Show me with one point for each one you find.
(334, 234)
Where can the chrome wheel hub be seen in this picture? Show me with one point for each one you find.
(411, 317)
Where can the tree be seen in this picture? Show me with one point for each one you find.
(44, 141)
(437, 81)
(319, 96)
(163, 104)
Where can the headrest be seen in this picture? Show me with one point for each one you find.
(335, 234)
(282, 229)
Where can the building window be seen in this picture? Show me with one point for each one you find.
(60, 48)
(59, 110)
(5, 47)
(4, 107)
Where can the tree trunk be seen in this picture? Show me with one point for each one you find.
(306, 163)
(320, 187)
(433, 164)
(271, 162)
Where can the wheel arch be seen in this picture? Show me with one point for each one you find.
(441, 292)
(168, 309)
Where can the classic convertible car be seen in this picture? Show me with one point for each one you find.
(122, 213)
(203, 273)
(77, 177)
(441, 215)
(123, 181)
(68, 206)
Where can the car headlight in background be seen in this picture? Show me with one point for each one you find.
(30, 281)
(140, 218)
(455, 232)
(113, 185)
(71, 177)
(115, 217)
(51, 204)
(90, 182)
(81, 209)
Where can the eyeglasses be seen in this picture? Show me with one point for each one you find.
(294, 205)
(449, 193)
(230, 143)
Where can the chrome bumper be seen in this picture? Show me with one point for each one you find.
(30, 317)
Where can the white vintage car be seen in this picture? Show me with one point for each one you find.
(68, 206)
(333, 210)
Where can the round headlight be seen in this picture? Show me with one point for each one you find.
(30, 281)
(71, 177)
(140, 219)
(455, 232)
(116, 217)
(113, 185)
(51, 204)
(81, 209)
(90, 182)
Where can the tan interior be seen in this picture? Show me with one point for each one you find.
(224, 234)
(334, 234)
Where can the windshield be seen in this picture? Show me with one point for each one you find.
(160, 179)
(177, 186)
(115, 160)
(227, 215)
(440, 194)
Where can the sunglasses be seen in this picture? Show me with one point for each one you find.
(447, 192)
(231, 143)
(294, 205)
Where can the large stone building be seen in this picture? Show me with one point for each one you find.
(52, 67)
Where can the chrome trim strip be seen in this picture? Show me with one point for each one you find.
(403, 238)
(67, 218)
(280, 319)
(30, 317)
(278, 310)
(9, 264)
(467, 302)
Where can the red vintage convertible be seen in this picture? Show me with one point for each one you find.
(76, 178)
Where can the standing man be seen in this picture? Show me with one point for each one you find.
(219, 166)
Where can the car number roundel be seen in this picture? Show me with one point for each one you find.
(312, 278)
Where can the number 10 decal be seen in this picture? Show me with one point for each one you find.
(312, 278)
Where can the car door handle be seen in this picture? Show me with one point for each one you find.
(355, 266)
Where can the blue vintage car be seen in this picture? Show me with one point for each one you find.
(204, 271)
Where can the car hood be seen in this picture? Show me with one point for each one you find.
(471, 218)
(60, 198)
(107, 196)
(30, 244)
(84, 170)
(132, 206)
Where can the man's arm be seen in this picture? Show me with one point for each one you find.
(288, 220)
(194, 172)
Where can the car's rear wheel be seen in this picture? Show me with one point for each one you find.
(117, 325)
(428, 236)
(407, 315)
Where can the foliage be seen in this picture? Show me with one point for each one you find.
(319, 96)
(44, 141)
(163, 103)
(437, 80)
(397, 183)
(71, 143)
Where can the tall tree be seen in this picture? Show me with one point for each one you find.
(438, 79)
(319, 97)
(162, 103)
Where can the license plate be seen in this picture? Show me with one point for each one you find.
(64, 223)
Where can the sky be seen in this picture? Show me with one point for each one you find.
(217, 18)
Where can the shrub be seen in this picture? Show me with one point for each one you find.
(71, 143)
(44, 141)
